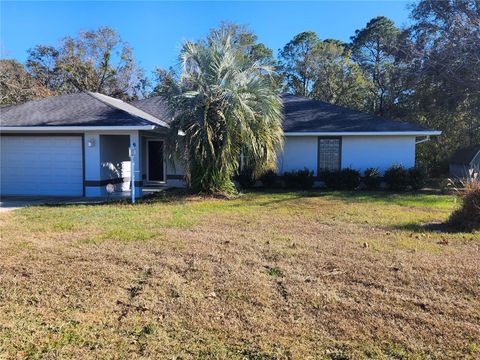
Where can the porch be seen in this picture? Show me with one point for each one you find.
(110, 157)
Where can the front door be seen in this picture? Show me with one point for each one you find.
(156, 164)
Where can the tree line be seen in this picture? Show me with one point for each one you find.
(427, 73)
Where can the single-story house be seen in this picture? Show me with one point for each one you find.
(77, 144)
(465, 163)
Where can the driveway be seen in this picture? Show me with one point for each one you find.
(9, 203)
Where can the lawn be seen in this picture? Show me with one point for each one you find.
(266, 276)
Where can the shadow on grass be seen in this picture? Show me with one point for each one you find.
(433, 227)
(379, 196)
(272, 196)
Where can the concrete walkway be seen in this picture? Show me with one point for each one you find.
(9, 203)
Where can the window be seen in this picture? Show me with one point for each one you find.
(329, 153)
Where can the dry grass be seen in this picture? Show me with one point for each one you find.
(467, 217)
(266, 276)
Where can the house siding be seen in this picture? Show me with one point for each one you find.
(362, 152)
(357, 152)
(298, 153)
(174, 170)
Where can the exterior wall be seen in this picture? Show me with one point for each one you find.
(135, 142)
(362, 152)
(357, 152)
(107, 156)
(298, 152)
(459, 171)
(173, 168)
(92, 164)
(175, 173)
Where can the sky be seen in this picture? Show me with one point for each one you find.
(157, 29)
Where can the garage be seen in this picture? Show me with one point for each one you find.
(41, 165)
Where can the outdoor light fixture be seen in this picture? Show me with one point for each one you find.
(91, 142)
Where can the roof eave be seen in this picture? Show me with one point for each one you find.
(362, 133)
(76, 128)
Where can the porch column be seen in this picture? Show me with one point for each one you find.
(92, 164)
(135, 141)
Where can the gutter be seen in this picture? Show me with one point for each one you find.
(422, 139)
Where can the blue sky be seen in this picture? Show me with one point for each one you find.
(156, 30)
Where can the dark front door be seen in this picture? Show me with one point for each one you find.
(155, 161)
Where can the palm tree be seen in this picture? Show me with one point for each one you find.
(227, 110)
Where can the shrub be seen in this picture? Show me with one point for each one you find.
(371, 178)
(269, 179)
(331, 179)
(345, 179)
(417, 177)
(396, 178)
(301, 179)
(349, 179)
(246, 179)
(467, 217)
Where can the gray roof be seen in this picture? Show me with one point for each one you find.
(154, 105)
(302, 115)
(80, 109)
(465, 156)
(308, 115)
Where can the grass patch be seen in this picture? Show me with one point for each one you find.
(274, 271)
(122, 234)
(348, 275)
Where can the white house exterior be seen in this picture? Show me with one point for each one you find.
(357, 152)
(74, 145)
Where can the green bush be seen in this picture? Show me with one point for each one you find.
(371, 178)
(246, 179)
(349, 179)
(345, 179)
(269, 179)
(396, 178)
(330, 179)
(417, 177)
(301, 179)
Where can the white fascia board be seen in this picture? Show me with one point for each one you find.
(366, 133)
(74, 128)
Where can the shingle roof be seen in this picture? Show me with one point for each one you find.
(80, 109)
(465, 156)
(154, 105)
(302, 115)
(308, 115)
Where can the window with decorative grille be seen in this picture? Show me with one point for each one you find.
(329, 150)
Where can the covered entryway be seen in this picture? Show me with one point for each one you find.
(41, 165)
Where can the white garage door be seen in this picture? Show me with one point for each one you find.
(41, 165)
